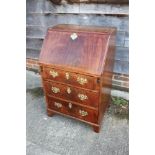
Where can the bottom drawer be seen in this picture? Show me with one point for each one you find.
(73, 110)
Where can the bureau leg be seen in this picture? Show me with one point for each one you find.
(96, 129)
(50, 113)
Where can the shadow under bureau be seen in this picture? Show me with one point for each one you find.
(76, 66)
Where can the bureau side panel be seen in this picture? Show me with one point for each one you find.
(107, 77)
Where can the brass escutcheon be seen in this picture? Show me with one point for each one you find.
(73, 36)
(82, 97)
(53, 73)
(70, 105)
(55, 90)
(83, 113)
(81, 80)
(67, 76)
(68, 90)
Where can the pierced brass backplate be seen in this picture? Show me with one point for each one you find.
(82, 97)
(81, 80)
(54, 73)
(58, 105)
(55, 90)
(83, 113)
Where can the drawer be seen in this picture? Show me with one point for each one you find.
(75, 79)
(74, 110)
(63, 91)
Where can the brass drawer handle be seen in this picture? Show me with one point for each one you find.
(58, 105)
(68, 90)
(67, 76)
(82, 97)
(81, 80)
(70, 105)
(54, 73)
(55, 90)
(83, 113)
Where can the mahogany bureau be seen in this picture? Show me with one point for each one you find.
(76, 66)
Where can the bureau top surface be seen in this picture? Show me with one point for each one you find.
(85, 53)
(80, 28)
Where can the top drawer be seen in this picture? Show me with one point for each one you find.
(75, 79)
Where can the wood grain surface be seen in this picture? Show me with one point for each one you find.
(87, 53)
(90, 58)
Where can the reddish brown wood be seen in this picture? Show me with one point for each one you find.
(106, 84)
(96, 129)
(90, 56)
(86, 53)
(88, 29)
(91, 81)
(76, 118)
(50, 113)
(72, 109)
(92, 97)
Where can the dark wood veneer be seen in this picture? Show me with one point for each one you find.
(92, 97)
(91, 84)
(83, 65)
(74, 110)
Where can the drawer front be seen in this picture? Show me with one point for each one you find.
(70, 78)
(73, 110)
(71, 93)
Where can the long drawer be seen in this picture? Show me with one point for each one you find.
(74, 110)
(71, 93)
(75, 79)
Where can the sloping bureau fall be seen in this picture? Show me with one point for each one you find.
(76, 66)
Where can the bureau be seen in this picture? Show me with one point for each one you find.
(76, 66)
